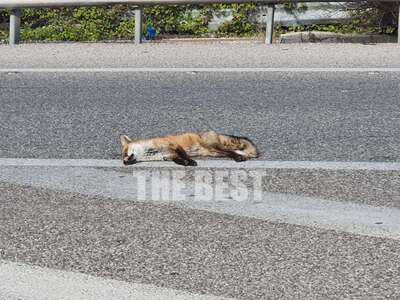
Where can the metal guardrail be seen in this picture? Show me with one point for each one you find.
(16, 5)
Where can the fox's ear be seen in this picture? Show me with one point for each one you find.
(124, 140)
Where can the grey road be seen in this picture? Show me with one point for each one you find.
(347, 116)
(325, 226)
(193, 250)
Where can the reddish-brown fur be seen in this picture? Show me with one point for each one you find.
(181, 147)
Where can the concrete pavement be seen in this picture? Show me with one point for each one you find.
(64, 55)
(21, 281)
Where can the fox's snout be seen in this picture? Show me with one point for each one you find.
(129, 160)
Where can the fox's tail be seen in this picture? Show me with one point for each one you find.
(240, 145)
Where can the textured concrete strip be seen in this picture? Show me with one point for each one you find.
(97, 55)
(252, 164)
(21, 281)
(194, 69)
(289, 208)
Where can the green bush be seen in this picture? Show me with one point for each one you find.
(117, 22)
(380, 17)
(240, 24)
(353, 27)
(77, 24)
(176, 19)
(4, 16)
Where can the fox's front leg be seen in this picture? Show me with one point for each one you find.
(179, 156)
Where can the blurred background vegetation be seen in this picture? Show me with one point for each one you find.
(117, 22)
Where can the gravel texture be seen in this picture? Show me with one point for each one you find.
(192, 250)
(199, 55)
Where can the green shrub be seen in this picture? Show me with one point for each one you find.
(240, 24)
(165, 19)
(353, 27)
(77, 24)
(380, 16)
(4, 16)
(117, 22)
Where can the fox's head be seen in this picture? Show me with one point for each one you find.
(128, 156)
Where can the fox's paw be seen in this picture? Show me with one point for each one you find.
(190, 162)
(185, 162)
(240, 158)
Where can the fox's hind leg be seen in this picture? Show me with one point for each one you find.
(231, 154)
(212, 141)
(179, 156)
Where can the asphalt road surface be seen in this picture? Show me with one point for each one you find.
(348, 116)
(74, 222)
(193, 250)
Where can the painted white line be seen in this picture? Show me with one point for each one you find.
(33, 162)
(229, 164)
(21, 281)
(196, 69)
(276, 207)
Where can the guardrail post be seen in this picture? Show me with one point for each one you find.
(270, 23)
(138, 24)
(15, 26)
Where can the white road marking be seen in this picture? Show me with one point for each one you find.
(84, 176)
(21, 281)
(371, 70)
(251, 164)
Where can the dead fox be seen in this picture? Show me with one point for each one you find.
(182, 147)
